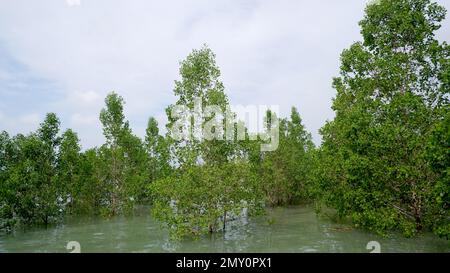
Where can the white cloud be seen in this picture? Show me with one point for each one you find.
(72, 3)
(30, 119)
(78, 118)
(4, 75)
(87, 97)
(270, 52)
(19, 124)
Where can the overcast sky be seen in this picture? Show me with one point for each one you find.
(58, 56)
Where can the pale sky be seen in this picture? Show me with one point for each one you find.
(64, 56)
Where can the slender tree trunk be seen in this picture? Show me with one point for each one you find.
(224, 220)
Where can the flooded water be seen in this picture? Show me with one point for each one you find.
(293, 229)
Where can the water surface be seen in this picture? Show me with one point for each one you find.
(292, 229)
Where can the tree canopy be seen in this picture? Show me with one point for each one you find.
(383, 162)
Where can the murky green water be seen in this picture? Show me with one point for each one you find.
(294, 229)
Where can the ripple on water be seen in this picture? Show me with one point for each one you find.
(293, 229)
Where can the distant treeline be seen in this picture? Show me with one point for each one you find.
(384, 162)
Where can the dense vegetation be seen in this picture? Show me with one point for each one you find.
(377, 157)
(384, 161)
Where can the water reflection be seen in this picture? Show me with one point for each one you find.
(294, 229)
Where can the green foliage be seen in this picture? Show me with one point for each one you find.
(383, 162)
(68, 165)
(158, 153)
(199, 80)
(88, 194)
(201, 199)
(7, 157)
(392, 91)
(29, 189)
(213, 179)
(123, 158)
(285, 173)
(44, 175)
(438, 156)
